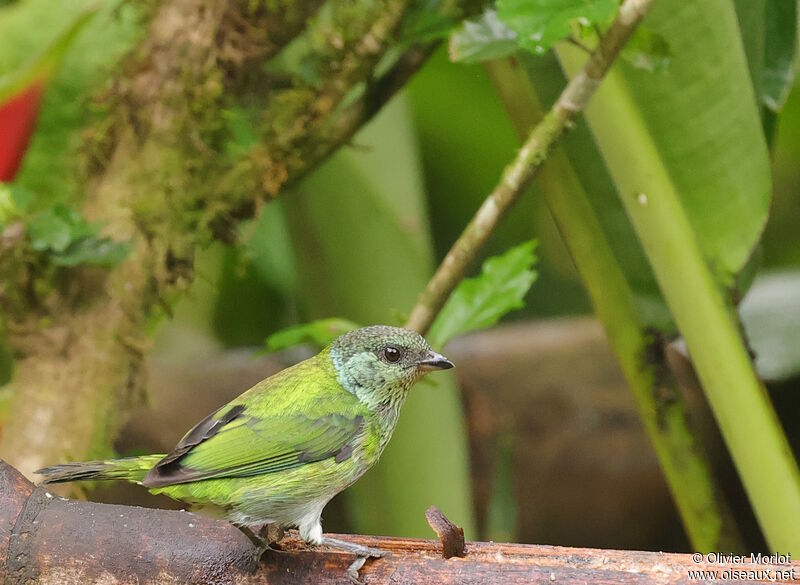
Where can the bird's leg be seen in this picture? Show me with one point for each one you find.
(311, 533)
(262, 538)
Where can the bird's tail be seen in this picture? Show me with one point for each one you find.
(131, 469)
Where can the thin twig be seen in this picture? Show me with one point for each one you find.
(518, 175)
(575, 42)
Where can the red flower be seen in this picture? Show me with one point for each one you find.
(17, 122)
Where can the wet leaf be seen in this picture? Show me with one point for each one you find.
(481, 39)
(647, 50)
(541, 23)
(481, 301)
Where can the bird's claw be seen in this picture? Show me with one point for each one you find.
(362, 554)
(356, 565)
(354, 568)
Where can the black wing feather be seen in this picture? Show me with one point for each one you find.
(168, 470)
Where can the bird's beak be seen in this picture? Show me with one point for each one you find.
(435, 361)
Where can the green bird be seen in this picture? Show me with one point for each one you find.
(279, 452)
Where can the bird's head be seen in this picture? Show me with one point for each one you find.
(380, 363)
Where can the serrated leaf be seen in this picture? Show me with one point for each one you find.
(481, 39)
(320, 333)
(541, 23)
(481, 301)
(93, 251)
(647, 50)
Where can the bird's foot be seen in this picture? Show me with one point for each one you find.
(356, 549)
(363, 553)
(354, 568)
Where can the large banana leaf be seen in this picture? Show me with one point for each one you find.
(695, 128)
(363, 251)
(689, 159)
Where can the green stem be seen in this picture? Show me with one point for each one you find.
(685, 466)
(742, 408)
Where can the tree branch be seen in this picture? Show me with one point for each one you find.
(297, 119)
(518, 175)
(50, 540)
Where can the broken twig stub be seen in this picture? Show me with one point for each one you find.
(450, 535)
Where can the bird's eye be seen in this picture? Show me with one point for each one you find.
(391, 354)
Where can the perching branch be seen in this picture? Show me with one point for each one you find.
(49, 540)
(518, 175)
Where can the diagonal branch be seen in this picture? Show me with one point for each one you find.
(518, 175)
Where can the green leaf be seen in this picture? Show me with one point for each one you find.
(769, 36)
(56, 228)
(541, 23)
(14, 201)
(94, 251)
(43, 64)
(647, 50)
(693, 128)
(71, 240)
(26, 28)
(49, 230)
(320, 333)
(425, 21)
(771, 318)
(779, 52)
(481, 301)
(481, 39)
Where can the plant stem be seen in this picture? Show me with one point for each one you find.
(518, 175)
(740, 404)
(705, 516)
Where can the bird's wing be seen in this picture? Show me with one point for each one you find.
(241, 440)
